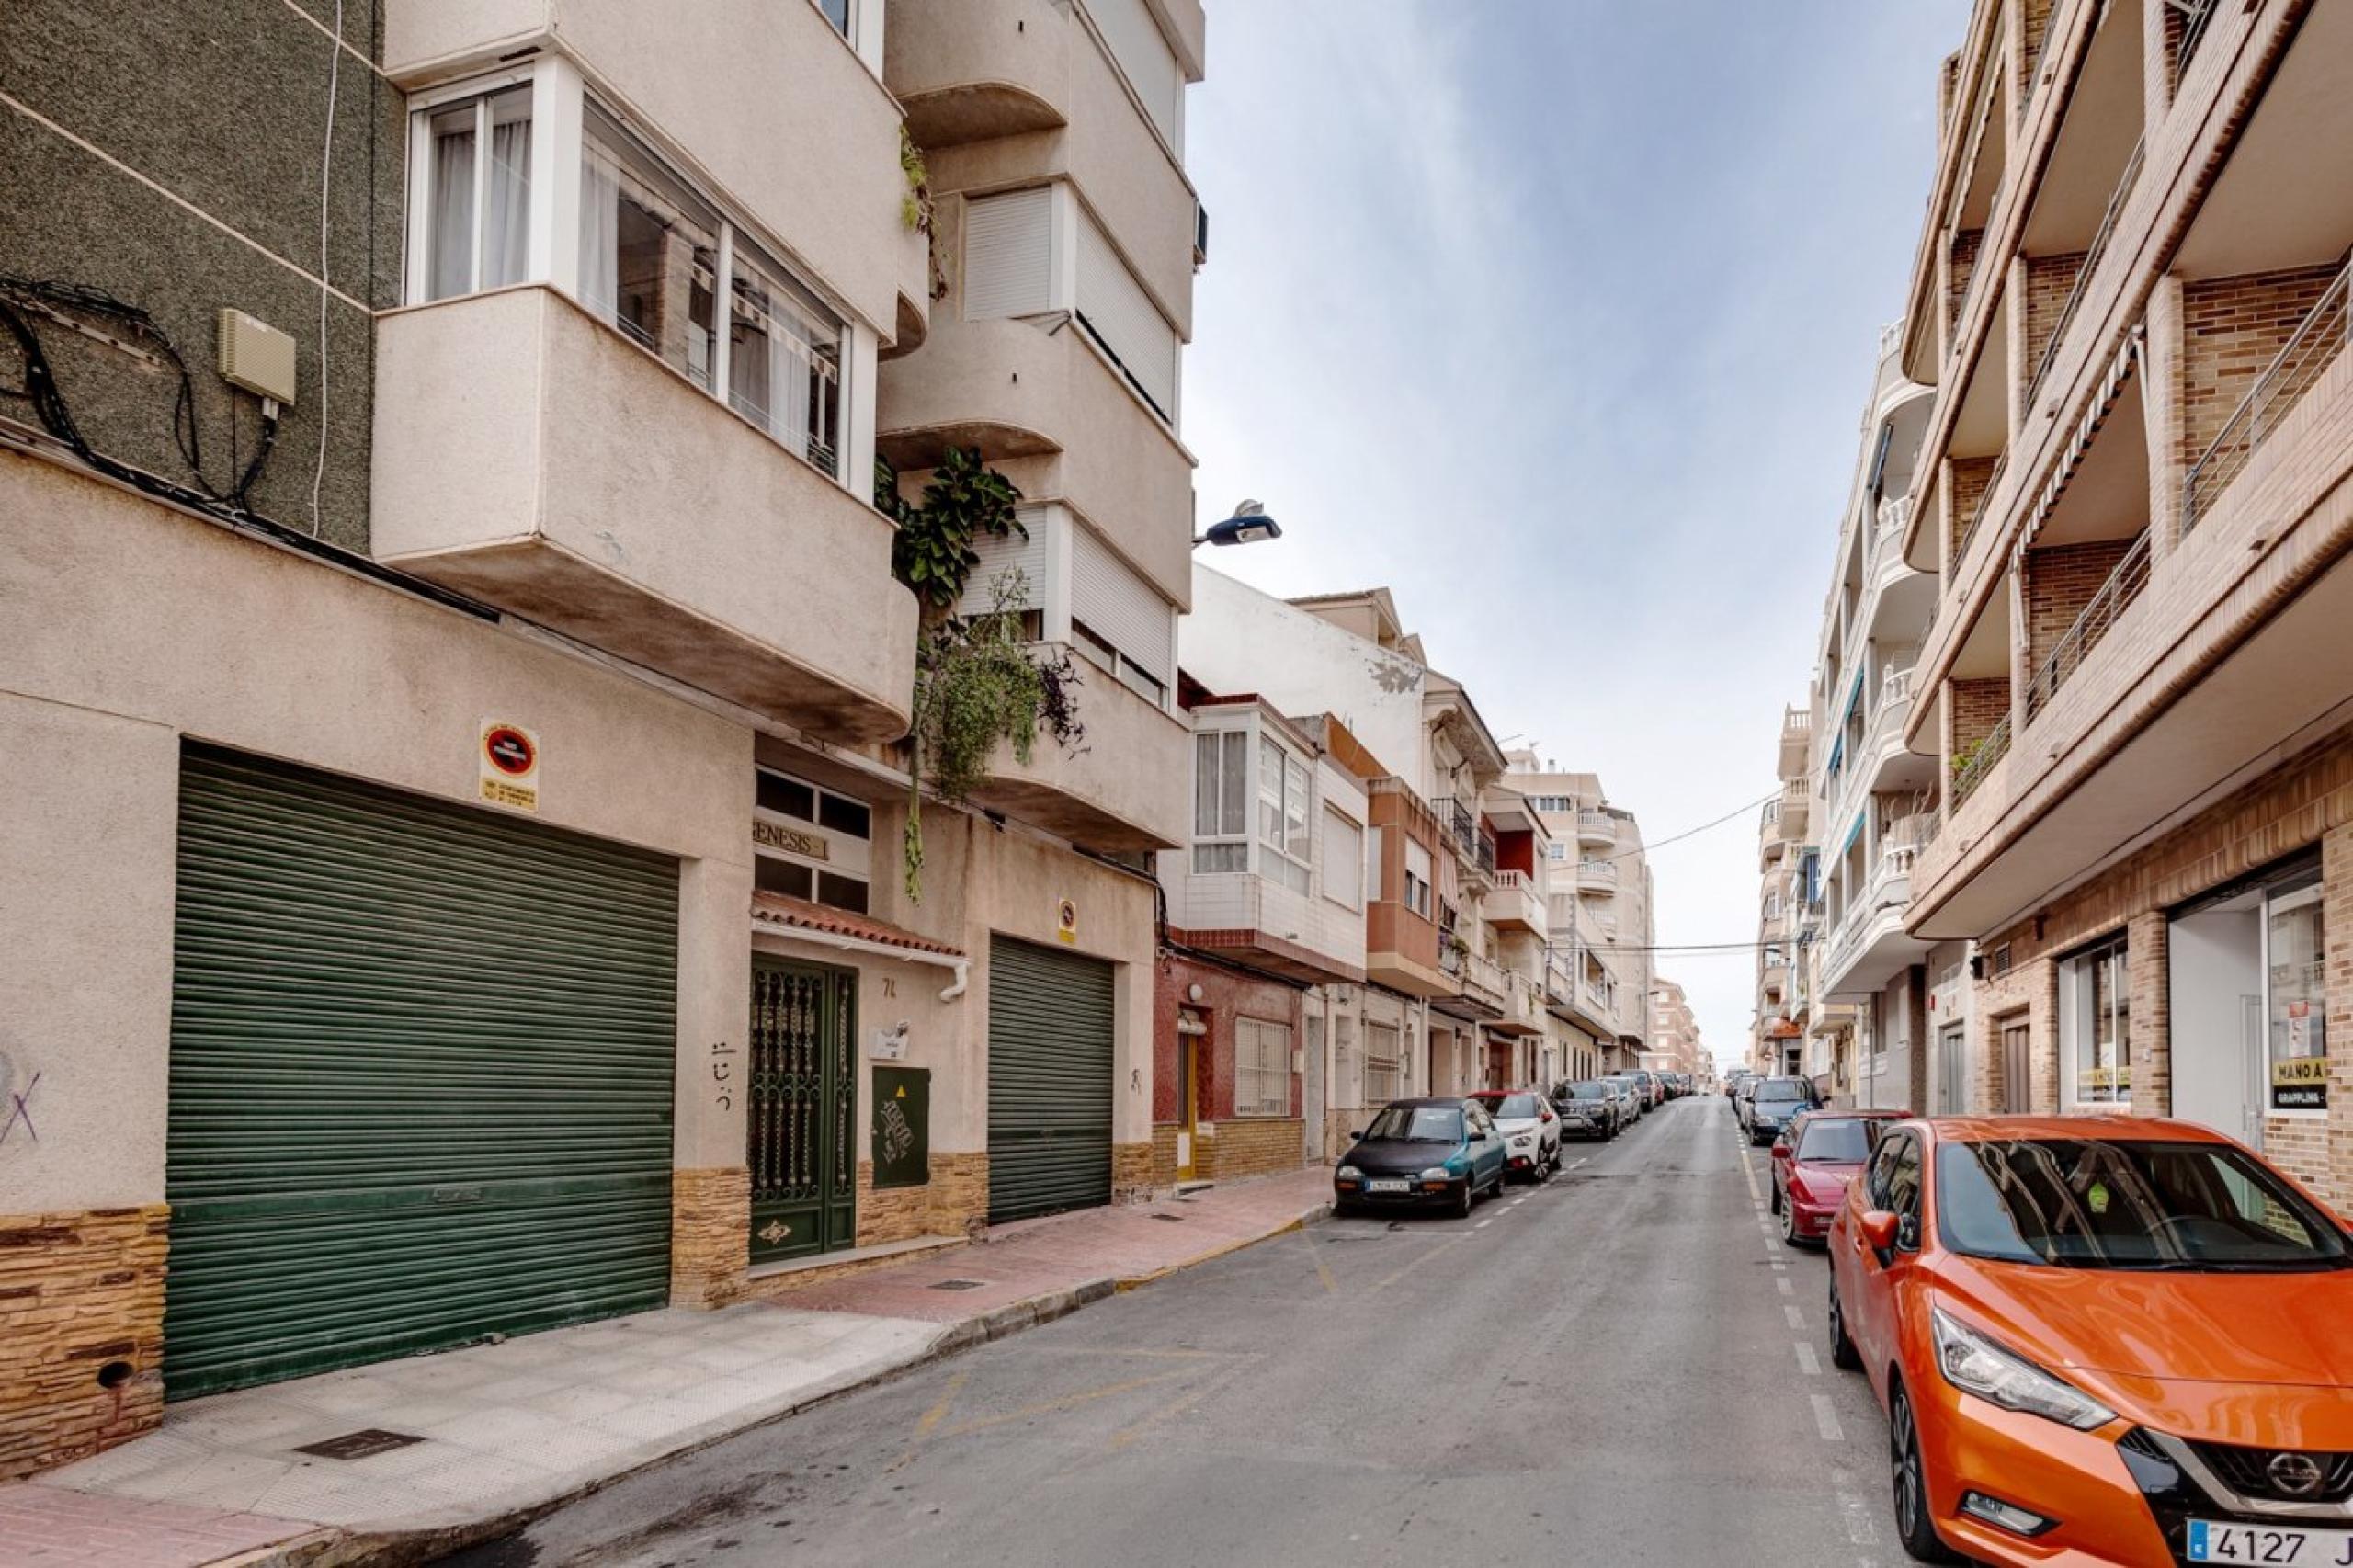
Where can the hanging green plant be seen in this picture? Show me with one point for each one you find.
(914, 207)
(978, 682)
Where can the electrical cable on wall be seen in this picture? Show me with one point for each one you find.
(327, 167)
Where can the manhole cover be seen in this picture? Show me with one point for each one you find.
(960, 1284)
(360, 1445)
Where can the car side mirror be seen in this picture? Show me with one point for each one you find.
(1780, 1146)
(1878, 1227)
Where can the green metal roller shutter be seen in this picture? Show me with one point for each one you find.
(1050, 1080)
(421, 1075)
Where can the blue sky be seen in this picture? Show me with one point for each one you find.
(1557, 317)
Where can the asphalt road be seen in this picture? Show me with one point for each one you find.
(1622, 1367)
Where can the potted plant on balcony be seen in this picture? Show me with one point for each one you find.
(978, 680)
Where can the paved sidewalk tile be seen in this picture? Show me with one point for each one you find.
(48, 1527)
(1037, 1258)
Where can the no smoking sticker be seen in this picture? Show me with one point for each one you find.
(508, 755)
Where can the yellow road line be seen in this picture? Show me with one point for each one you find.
(1176, 1406)
(939, 1413)
(1321, 1271)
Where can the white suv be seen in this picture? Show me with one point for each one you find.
(1530, 1130)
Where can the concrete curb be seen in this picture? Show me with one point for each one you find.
(331, 1548)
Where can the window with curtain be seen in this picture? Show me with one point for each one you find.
(1221, 802)
(1283, 782)
(478, 193)
(649, 249)
(784, 358)
(1261, 1068)
(1343, 860)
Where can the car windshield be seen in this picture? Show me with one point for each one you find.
(1849, 1140)
(1789, 1089)
(2087, 1203)
(1418, 1124)
(1589, 1089)
(1502, 1105)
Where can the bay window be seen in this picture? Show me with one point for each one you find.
(649, 253)
(1343, 860)
(1220, 801)
(1285, 849)
(1418, 878)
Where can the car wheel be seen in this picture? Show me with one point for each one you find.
(1790, 1236)
(1843, 1354)
(1777, 1200)
(1908, 1471)
(1462, 1204)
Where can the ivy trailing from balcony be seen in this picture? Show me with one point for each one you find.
(978, 683)
(914, 207)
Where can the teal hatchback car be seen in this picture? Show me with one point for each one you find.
(1424, 1153)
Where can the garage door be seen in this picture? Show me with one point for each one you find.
(1050, 1080)
(420, 1076)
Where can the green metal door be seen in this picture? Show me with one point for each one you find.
(802, 1110)
(421, 1069)
(1050, 1080)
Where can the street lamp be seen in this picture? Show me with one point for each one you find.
(1248, 525)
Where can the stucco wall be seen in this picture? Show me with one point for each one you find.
(179, 627)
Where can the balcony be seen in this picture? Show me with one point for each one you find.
(1516, 905)
(1880, 761)
(1868, 947)
(2316, 344)
(1127, 788)
(1597, 876)
(1596, 829)
(1797, 805)
(1769, 842)
(1485, 982)
(1046, 406)
(709, 76)
(1797, 735)
(1265, 924)
(1008, 93)
(1523, 1006)
(528, 456)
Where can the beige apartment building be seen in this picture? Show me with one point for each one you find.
(1897, 1038)
(2129, 297)
(479, 817)
(1598, 898)
(1674, 1042)
(1786, 873)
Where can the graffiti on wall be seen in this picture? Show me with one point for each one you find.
(17, 1103)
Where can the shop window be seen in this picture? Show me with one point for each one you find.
(2095, 1026)
(1261, 1068)
(2296, 997)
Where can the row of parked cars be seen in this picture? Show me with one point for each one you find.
(2097, 1339)
(1448, 1151)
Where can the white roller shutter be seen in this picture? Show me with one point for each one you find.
(1120, 607)
(1124, 320)
(1032, 557)
(1008, 255)
(1143, 56)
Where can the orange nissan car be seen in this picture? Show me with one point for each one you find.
(2100, 1340)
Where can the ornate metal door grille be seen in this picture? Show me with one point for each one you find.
(799, 1139)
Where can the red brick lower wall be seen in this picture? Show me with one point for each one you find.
(1225, 996)
(2305, 801)
(81, 1333)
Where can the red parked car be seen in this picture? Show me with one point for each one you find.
(1813, 1159)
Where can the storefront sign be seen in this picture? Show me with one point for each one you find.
(2300, 1083)
(508, 756)
(791, 840)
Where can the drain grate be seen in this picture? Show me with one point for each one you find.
(958, 1284)
(360, 1444)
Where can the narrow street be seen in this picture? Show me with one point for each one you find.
(1622, 1367)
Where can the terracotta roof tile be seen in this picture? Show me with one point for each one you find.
(775, 909)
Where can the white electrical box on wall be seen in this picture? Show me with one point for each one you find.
(256, 357)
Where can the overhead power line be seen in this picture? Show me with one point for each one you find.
(1691, 831)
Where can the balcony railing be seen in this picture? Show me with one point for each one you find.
(1796, 721)
(1597, 873)
(1458, 821)
(1484, 852)
(2196, 14)
(2309, 349)
(1894, 515)
(1977, 513)
(2123, 585)
(1596, 828)
(1972, 765)
(2099, 247)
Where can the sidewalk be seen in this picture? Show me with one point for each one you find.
(460, 1445)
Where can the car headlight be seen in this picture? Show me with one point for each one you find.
(1976, 1364)
(1350, 1172)
(1523, 1140)
(1439, 1172)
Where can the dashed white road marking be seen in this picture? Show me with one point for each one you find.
(1808, 1363)
(1484, 1223)
(1796, 1318)
(1783, 1281)
(1826, 1420)
(1861, 1527)
(1579, 1162)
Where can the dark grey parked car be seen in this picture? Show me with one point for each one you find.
(1774, 1102)
(1587, 1109)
